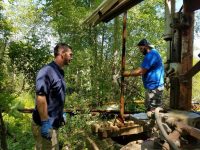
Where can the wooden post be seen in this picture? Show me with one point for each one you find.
(186, 57)
(123, 66)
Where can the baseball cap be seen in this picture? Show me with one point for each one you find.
(145, 42)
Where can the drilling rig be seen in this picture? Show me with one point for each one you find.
(178, 127)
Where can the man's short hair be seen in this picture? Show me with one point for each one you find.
(59, 46)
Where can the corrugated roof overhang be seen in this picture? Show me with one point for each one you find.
(109, 9)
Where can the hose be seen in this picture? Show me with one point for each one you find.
(164, 133)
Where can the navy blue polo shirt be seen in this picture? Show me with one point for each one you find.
(50, 83)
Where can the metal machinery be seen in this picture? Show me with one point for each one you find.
(177, 128)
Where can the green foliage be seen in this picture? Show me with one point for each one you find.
(19, 131)
(24, 15)
(6, 101)
(29, 41)
(72, 134)
(195, 85)
(76, 101)
(6, 87)
(27, 59)
(26, 100)
(133, 107)
(92, 75)
(5, 27)
(18, 125)
(19, 135)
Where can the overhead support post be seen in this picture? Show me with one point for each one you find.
(123, 62)
(180, 52)
(186, 55)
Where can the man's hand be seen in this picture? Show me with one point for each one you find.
(46, 129)
(136, 72)
(127, 73)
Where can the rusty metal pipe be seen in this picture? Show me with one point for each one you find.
(164, 133)
(174, 136)
(194, 132)
(123, 67)
(180, 127)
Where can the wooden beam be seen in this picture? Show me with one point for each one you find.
(192, 5)
(109, 9)
(100, 10)
(110, 129)
(194, 70)
(120, 8)
(30, 110)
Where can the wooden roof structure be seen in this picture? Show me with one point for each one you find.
(108, 10)
(192, 5)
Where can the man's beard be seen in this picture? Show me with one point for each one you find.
(66, 62)
(144, 51)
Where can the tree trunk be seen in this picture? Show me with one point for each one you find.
(93, 67)
(101, 84)
(95, 72)
(115, 54)
(3, 143)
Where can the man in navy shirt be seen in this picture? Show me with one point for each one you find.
(50, 99)
(152, 72)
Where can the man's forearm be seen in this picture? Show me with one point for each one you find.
(136, 72)
(42, 107)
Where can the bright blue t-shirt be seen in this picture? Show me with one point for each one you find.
(154, 77)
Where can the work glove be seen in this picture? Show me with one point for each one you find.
(64, 118)
(46, 131)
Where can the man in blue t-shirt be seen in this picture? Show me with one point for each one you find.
(152, 72)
